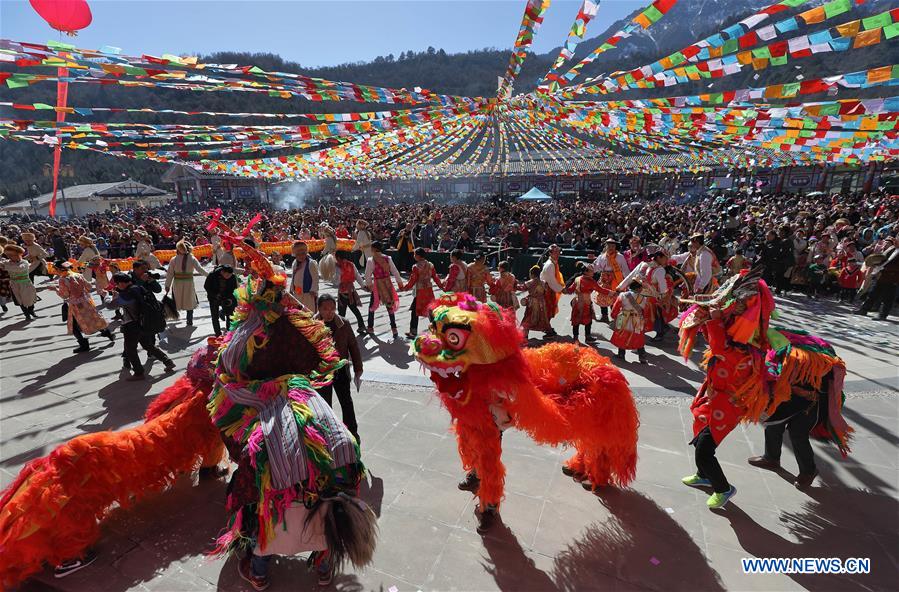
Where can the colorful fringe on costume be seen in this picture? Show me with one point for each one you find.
(284, 437)
(51, 512)
(781, 363)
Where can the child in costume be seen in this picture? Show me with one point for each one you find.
(535, 317)
(423, 273)
(478, 278)
(583, 287)
(848, 269)
(757, 373)
(504, 287)
(457, 278)
(347, 297)
(629, 317)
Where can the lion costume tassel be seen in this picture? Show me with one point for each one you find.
(558, 394)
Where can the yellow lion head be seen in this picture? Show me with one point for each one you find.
(464, 333)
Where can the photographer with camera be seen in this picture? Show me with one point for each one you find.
(220, 285)
(143, 320)
(143, 277)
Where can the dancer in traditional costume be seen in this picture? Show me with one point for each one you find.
(423, 273)
(363, 242)
(759, 373)
(35, 253)
(535, 316)
(89, 260)
(629, 317)
(5, 289)
(457, 278)
(23, 291)
(848, 270)
(504, 287)
(612, 268)
(379, 275)
(304, 276)
(551, 274)
(348, 277)
(144, 249)
(479, 277)
(583, 287)
(700, 265)
(179, 279)
(662, 306)
(78, 309)
(298, 467)
(327, 265)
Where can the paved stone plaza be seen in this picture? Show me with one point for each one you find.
(554, 536)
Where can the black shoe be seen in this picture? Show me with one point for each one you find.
(169, 366)
(860, 312)
(590, 339)
(485, 520)
(764, 463)
(69, 567)
(642, 359)
(81, 349)
(470, 483)
(804, 480)
(362, 331)
(110, 336)
(551, 333)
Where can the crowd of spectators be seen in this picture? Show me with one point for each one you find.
(811, 243)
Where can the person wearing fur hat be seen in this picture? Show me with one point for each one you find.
(179, 279)
(144, 249)
(23, 291)
(78, 308)
(35, 253)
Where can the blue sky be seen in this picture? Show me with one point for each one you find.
(313, 33)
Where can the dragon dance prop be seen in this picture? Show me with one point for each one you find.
(753, 367)
(560, 394)
(205, 252)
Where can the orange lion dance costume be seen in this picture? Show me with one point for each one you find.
(52, 511)
(559, 394)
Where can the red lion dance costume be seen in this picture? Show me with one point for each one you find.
(559, 394)
(271, 361)
(752, 370)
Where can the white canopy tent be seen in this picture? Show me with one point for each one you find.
(535, 195)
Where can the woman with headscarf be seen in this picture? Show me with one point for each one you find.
(179, 279)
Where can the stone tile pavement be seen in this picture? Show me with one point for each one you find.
(655, 535)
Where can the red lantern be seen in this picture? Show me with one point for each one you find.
(68, 16)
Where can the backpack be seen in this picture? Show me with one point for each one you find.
(152, 317)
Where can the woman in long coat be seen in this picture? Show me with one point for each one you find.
(79, 310)
(179, 279)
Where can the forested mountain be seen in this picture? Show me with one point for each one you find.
(473, 73)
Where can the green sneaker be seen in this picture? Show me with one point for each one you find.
(717, 501)
(696, 481)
